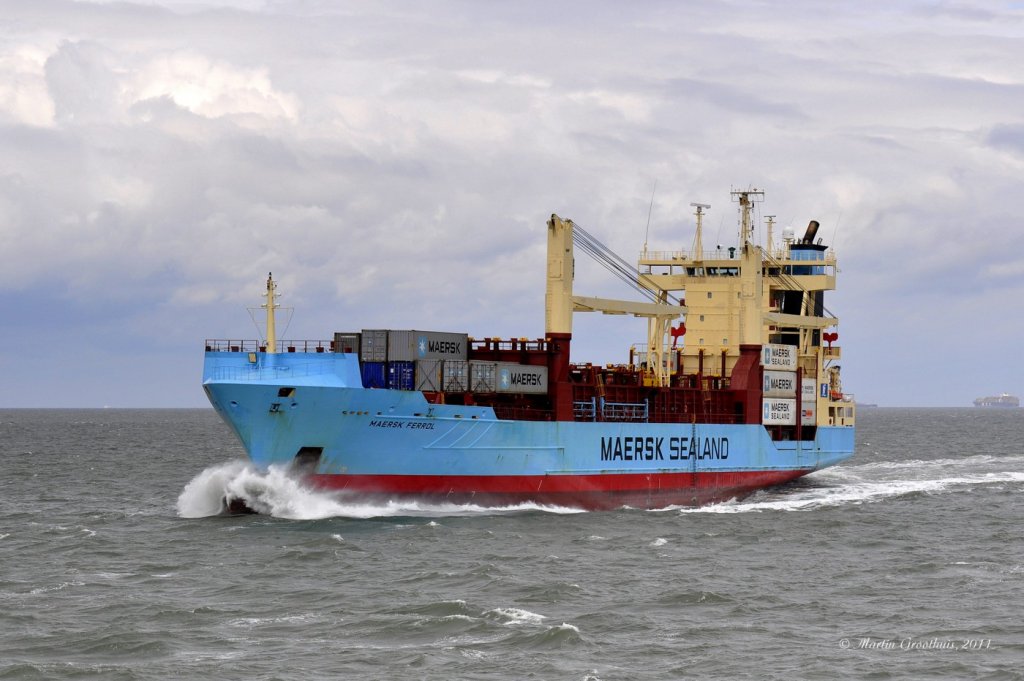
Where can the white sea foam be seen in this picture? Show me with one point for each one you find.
(204, 495)
(280, 619)
(512, 616)
(55, 587)
(925, 465)
(660, 541)
(852, 491)
(458, 618)
(276, 493)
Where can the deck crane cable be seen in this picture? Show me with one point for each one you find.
(612, 262)
(594, 251)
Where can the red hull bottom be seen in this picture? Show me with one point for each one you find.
(590, 492)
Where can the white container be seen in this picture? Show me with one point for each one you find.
(522, 378)
(809, 402)
(428, 375)
(410, 346)
(373, 345)
(483, 376)
(455, 376)
(779, 384)
(778, 412)
(780, 357)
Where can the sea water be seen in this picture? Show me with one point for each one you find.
(906, 562)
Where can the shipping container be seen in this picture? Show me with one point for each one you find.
(781, 357)
(401, 375)
(346, 342)
(483, 376)
(455, 376)
(522, 378)
(428, 375)
(779, 383)
(374, 374)
(409, 346)
(809, 402)
(778, 412)
(373, 346)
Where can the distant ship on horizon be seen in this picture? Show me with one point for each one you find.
(1006, 400)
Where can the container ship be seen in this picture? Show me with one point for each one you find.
(736, 388)
(1004, 401)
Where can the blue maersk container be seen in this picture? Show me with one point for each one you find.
(401, 375)
(374, 374)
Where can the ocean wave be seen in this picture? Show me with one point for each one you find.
(513, 616)
(851, 492)
(974, 461)
(276, 493)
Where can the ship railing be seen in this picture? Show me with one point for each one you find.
(776, 252)
(536, 344)
(585, 410)
(686, 256)
(256, 372)
(597, 409)
(283, 346)
(623, 411)
(507, 413)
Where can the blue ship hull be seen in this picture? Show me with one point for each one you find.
(310, 410)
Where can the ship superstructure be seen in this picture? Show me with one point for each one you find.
(736, 387)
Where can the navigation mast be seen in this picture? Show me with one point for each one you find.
(746, 198)
(270, 306)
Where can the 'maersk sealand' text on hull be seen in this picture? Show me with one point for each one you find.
(745, 394)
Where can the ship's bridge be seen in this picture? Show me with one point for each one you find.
(676, 270)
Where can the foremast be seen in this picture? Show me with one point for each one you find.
(270, 306)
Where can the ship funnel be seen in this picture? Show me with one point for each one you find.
(812, 230)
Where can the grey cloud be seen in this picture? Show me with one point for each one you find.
(81, 83)
(1007, 137)
(394, 165)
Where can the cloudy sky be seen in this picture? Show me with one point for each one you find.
(393, 163)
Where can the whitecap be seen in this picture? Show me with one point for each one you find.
(276, 493)
(517, 616)
(851, 493)
(55, 587)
